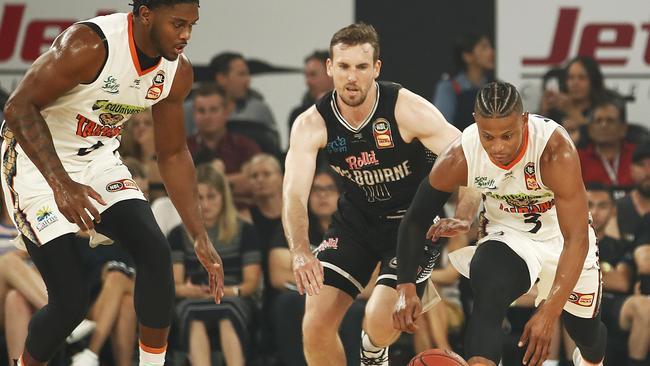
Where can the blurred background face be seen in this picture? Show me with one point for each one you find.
(141, 126)
(211, 202)
(641, 176)
(316, 78)
(324, 195)
(577, 82)
(601, 207)
(353, 70)
(210, 114)
(237, 81)
(482, 55)
(265, 178)
(606, 126)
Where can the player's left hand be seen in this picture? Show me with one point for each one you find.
(407, 308)
(537, 334)
(447, 227)
(211, 261)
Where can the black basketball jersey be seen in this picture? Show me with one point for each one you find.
(380, 171)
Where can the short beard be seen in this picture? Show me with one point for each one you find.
(352, 104)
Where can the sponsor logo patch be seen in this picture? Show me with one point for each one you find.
(579, 299)
(338, 145)
(44, 218)
(364, 159)
(529, 176)
(107, 106)
(382, 134)
(110, 85)
(485, 182)
(330, 243)
(121, 185)
(155, 91)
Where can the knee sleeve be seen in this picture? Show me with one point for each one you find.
(61, 267)
(498, 277)
(590, 335)
(133, 225)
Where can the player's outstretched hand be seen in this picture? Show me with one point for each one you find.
(307, 270)
(537, 334)
(73, 201)
(211, 261)
(447, 227)
(407, 308)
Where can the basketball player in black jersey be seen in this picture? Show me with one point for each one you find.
(380, 138)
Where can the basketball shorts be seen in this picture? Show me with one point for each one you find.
(542, 258)
(349, 257)
(30, 200)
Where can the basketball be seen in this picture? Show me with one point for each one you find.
(437, 357)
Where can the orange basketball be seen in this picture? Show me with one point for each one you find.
(437, 357)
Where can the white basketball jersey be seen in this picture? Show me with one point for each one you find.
(515, 196)
(86, 121)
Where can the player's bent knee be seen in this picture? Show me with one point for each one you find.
(316, 328)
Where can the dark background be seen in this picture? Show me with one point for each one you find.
(418, 35)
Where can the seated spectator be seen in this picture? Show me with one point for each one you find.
(22, 292)
(8, 231)
(231, 73)
(200, 319)
(317, 80)
(213, 141)
(265, 175)
(580, 89)
(608, 159)
(454, 97)
(137, 142)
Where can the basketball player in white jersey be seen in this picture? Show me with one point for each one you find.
(535, 225)
(61, 174)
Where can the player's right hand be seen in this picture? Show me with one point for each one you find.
(307, 270)
(447, 227)
(407, 308)
(73, 201)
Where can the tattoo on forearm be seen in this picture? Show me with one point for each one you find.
(34, 137)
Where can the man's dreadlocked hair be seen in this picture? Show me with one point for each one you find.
(498, 99)
(152, 4)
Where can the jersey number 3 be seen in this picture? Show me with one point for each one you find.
(87, 150)
(533, 218)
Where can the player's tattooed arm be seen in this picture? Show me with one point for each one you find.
(75, 57)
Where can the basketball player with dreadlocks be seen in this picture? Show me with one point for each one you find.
(535, 225)
(61, 175)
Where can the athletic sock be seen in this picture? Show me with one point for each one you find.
(633, 362)
(150, 356)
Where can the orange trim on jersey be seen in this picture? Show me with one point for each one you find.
(520, 155)
(153, 350)
(134, 53)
